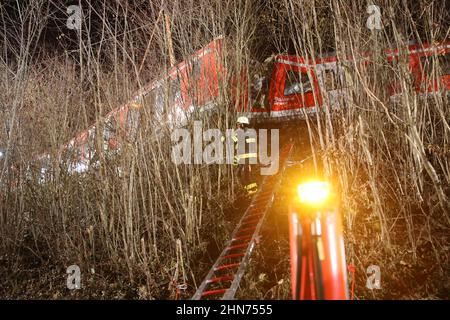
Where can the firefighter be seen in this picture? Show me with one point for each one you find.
(244, 170)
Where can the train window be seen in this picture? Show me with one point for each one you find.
(394, 65)
(330, 80)
(44, 166)
(196, 70)
(297, 82)
(441, 63)
(73, 157)
(133, 117)
(150, 98)
(389, 70)
(444, 63)
(110, 128)
(155, 100)
(90, 150)
(195, 79)
(427, 65)
(158, 107)
(78, 162)
(175, 91)
(348, 79)
(65, 154)
(78, 153)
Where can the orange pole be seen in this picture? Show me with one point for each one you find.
(334, 265)
(330, 250)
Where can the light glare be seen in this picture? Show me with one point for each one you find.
(314, 193)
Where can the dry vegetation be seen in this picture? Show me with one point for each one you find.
(133, 233)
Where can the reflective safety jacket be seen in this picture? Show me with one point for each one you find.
(251, 188)
(246, 154)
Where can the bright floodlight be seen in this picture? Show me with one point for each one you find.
(314, 192)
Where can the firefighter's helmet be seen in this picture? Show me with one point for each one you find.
(243, 120)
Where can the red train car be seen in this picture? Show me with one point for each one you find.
(190, 85)
(295, 86)
(298, 86)
(429, 65)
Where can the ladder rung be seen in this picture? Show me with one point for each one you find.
(237, 251)
(253, 208)
(246, 229)
(229, 277)
(250, 221)
(246, 236)
(237, 246)
(260, 203)
(264, 191)
(261, 198)
(251, 218)
(227, 266)
(213, 292)
(233, 255)
(253, 215)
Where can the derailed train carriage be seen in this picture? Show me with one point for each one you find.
(291, 88)
(297, 86)
(190, 85)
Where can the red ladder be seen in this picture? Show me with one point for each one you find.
(222, 281)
